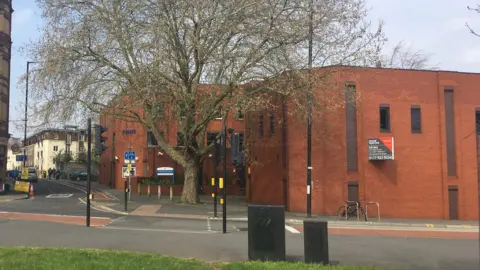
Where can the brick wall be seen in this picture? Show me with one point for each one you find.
(415, 184)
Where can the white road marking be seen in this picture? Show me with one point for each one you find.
(59, 196)
(209, 225)
(236, 228)
(158, 230)
(291, 229)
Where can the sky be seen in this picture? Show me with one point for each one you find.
(434, 26)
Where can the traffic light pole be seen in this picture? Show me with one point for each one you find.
(215, 175)
(89, 167)
(224, 151)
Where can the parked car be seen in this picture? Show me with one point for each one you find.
(82, 176)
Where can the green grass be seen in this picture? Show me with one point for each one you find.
(75, 259)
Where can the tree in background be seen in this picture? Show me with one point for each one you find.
(406, 57)
(187, 62)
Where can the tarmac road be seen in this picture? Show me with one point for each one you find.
(390, 252)
(53, 197)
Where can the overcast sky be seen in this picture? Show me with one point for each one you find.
(435, 26)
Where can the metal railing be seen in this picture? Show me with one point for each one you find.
(347, 204)
(378, 210)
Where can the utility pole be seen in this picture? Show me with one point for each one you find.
(89, 167)
(130, 177)
(26, 114)
(224, 154)
(309, 123)
(215, 175)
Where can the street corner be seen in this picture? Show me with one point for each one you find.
(64, 219)
(401, 232)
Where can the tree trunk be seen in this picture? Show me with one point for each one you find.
(190, 192)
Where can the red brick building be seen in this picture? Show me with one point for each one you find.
(121, 135)
(431, 116)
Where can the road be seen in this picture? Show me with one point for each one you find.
(202, 239)
(173, 239)
(53, 197)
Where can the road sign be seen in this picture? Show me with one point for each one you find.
(129, 167)
(129, 156)
(22, 186)
(126, 171)
(24, 175)
(59, 196)
(15, 148)
(20, 158)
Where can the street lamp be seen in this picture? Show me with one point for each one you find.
(309, 124)
(26, 114)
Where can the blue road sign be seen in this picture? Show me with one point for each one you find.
(129, 156)
(21, 158)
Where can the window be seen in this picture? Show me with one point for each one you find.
(384, 118)
(211, 136)
(180, 139)
(218, 113)
(151, 140)
(238, 114)
(260, 126)
(272, 124)
(477, 120)
(55, 136)
(416, 118)
(81, 138)
(55, 148)
(241, 140)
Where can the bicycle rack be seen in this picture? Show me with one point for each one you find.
(378, 209)
(346, 208)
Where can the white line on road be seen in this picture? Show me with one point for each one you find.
(158, 230)
(209, 225)
(291, 229)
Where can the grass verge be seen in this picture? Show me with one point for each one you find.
(19, 258)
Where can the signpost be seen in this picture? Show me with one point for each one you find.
(381, 148)
(129, 160)
(15, 148)
(167, 171)
(20, 158)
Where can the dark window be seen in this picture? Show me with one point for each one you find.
(384, 118)
(240, 140)
(218, 113)
(238, 114)
(211, 136)
(272, 124)
(450, 132)
(183, 111)
(416, 117)
(351, 127)
(151, 140)
(477, 120)
(180, 139)
(260, 126)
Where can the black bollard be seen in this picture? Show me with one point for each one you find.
(266, 232)
(315, 238)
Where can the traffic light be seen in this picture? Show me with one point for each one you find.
(99, 140)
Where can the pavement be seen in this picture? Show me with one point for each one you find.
(202, 240)
(237, 210)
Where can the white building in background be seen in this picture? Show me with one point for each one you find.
(14, 144)
(44, 146)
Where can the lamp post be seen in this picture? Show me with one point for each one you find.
(26, 114)
(309, 123)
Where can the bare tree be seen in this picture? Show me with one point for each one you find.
(152, 62)
(406, 57)
(475, 9)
